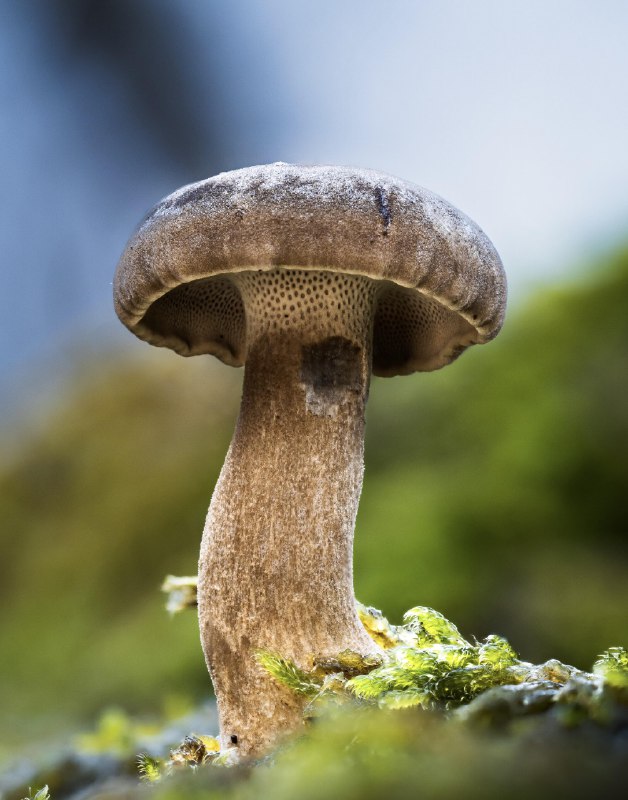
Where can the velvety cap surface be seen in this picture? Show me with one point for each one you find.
(440, 267)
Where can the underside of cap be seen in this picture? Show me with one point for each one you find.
(442, 283)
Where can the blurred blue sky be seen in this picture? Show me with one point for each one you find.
(517, 112)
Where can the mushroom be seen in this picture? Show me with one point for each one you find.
(313, 277)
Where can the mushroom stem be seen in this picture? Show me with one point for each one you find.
(276, 567)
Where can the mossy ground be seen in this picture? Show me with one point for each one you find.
(435, 714)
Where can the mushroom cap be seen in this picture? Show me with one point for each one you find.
(444, 286)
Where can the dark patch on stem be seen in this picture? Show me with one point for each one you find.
(329, 371)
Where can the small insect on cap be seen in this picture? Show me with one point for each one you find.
(441, 284)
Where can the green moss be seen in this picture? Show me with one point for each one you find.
(427, 663)
(288, 673)
(41, 794)
(612, 666)
(477, 723)
(434, 714)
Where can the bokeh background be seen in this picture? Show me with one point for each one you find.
(495, 489)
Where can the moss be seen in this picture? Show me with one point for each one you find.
(427, 663)
(41, 794)
(478, 723)
(434, 713)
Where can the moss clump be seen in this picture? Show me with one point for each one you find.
(612, 667)
(481, 723)
(193, 752)
(426, 662)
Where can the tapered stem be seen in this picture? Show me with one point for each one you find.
(276, 560)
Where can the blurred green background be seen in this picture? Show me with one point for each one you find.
(494, 492)
(495, 489)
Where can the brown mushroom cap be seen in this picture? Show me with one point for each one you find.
(443, 285)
